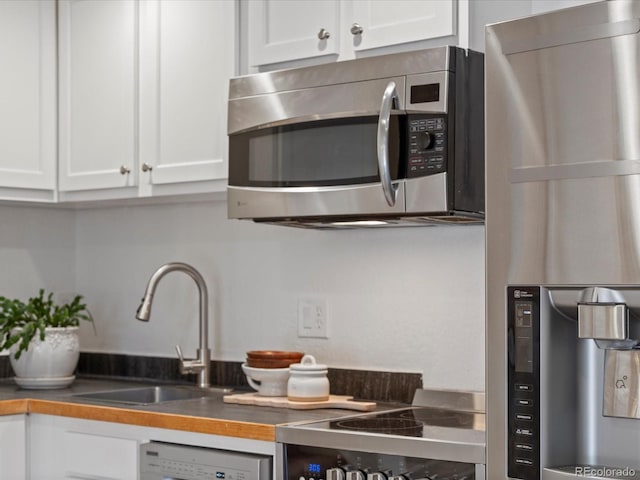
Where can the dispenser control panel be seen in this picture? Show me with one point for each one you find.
(523, 324)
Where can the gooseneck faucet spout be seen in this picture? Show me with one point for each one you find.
(202, 364)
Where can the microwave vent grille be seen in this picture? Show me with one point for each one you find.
(346, 223)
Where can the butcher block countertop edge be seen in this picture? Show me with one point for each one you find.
(205, 415)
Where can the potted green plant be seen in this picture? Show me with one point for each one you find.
(42, 339)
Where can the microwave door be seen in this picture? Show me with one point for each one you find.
(315, 152)
(315, 169)
(327, 167)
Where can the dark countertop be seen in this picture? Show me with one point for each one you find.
(204, 415)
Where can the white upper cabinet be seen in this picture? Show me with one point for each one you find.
(281, 31)
(98, 87)
(143, 94)
(28, 100)
(187, 58)
(401, 21)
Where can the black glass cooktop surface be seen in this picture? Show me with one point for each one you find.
(410, 422)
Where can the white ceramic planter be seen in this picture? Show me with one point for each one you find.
(49, 363)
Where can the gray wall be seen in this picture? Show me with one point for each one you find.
(408, 299)
(37, 250)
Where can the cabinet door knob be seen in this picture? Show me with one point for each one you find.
(323, 34)
(146, 167)
(124, 170)
(356, 29)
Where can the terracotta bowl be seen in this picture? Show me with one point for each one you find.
(272, 358)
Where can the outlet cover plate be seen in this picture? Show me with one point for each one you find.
(312, 317)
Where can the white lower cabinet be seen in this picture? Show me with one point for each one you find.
(61, 448)
(13, 447)
(70, 448)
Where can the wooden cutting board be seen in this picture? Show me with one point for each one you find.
(335, 401)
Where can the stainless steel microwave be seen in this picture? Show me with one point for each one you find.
(389, 140)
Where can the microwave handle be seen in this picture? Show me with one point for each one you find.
(389, 96)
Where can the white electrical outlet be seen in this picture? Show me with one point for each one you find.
(312, 317)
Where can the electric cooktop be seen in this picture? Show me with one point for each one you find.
(440, 425)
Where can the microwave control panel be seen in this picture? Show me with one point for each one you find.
(427, 145)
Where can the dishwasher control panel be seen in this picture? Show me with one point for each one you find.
(161, 461)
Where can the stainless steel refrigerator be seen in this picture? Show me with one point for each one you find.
(563, 244)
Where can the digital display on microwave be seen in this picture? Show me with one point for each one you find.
(425, 93)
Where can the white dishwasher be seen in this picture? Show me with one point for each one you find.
(168, 461)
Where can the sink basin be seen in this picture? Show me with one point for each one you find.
(151, 395)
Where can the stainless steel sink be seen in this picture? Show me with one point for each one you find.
(151, 395)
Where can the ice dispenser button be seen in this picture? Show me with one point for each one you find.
(622, 384)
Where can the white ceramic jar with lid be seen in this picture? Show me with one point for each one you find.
(308, 381)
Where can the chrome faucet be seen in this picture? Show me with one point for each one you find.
(202, 364)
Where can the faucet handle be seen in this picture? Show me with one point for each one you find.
(188, 366)
(185, 365)
(179, 350)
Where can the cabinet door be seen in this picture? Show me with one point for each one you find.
(98, 93)
(13, 447)
(90, 456)
(28, 95)
(63, 448)
(401, 21)
(282, 30)
(187, 57)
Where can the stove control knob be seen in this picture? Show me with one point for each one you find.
(335, 474)
(355, 475)
(376, 476)
(399, 477)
